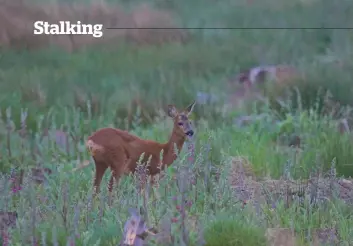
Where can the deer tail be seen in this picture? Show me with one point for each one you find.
(93, 148)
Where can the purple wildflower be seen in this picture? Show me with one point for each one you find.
(188, 203)
(72, 242)
(16, 189)
(5, 238)
(191, 152)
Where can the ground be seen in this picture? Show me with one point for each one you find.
(272, 170)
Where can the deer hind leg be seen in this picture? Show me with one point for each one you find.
(101, 167)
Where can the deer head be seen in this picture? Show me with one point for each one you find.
(244, 79)
(182, 124)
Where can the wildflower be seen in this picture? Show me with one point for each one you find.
(191, 152)
(35, 242)
(188, 203)
(72, 242)
(178, 207)
(174, 198)
(16, 189)
(5, 239)
(174, 220)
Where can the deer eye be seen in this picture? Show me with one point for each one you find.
(180, 123)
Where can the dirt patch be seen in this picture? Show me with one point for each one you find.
(281, 237)
(287, 237)
(317, 189)
(325, 236)
(17, 18)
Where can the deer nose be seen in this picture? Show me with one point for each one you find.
(190, 133)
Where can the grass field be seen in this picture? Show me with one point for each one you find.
(51, 101)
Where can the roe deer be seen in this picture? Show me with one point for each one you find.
(120, 151)
(249, 80)
(257, 75)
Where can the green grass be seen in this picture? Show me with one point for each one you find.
(174, 73)
(233, 231)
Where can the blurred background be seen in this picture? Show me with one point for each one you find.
(128, 76)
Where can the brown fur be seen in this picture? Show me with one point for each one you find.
(244, 86)
(120, 151)
(282, 74)
(285, 74)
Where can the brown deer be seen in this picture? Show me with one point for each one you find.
(281, 74)
(120, 151)
(246, 83)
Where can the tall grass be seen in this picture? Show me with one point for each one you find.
(68, 96)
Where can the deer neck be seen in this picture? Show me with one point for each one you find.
(169, 155)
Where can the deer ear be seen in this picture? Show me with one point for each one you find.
(172, 111)
(190, 108)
